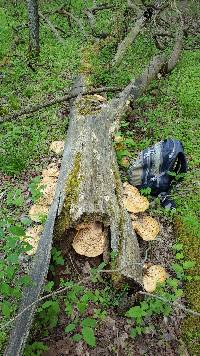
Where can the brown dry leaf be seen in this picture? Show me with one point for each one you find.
(146, 227)
(37, 212)
(90, 241)
(57, 146)
(32, 237)
(154, 275)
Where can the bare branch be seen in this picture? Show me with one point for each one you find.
(179, 305)
(53, 29)
(78, 21)
(66, 97)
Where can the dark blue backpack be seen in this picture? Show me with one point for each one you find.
(151, 168)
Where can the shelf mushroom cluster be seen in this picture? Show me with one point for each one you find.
(147, 228)
(39, 211)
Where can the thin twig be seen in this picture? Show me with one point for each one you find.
(53, 29)
(179, 305)
(78, 21)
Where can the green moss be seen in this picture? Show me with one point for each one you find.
(88, 105)
(71, 195)
(191, 325)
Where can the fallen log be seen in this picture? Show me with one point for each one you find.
(89, 190)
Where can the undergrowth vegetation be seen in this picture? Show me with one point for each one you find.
(170, 108)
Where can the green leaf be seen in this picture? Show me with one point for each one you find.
(6, 308)
(48, 287)
(88, 336)
(25, 280)
(136, 312)
(179, 255)
(82, 306)
(172, 282)
(77, 337)
(5, 289)
(188, 264)
(1, 233)
(13, 258)
(17, 230)
(70, 327)
(88, 322)
(177, 247)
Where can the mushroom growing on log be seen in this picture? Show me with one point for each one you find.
(89, 189)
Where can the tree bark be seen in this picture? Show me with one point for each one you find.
(33, 16)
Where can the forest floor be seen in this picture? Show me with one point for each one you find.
(169, 108)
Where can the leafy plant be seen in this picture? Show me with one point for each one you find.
(36, 189)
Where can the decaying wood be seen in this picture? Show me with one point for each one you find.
(89, 189)
(51, 26)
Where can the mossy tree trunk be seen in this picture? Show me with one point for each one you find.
(92, 188)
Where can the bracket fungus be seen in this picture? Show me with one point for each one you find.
(154, 275)
(37, 212)
(133, 201)
(51, 171)
(57, 147)
(32, 237)
(89, 240)
(146, 227)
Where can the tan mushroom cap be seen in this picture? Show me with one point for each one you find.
(48, 180)
(48, 194)
(146, 227)
(154, 275)
(57, 146)
(37, 211)
(32, 237)
(133, 201)
(90, 241)
(99, 97)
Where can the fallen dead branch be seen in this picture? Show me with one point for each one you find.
(146, 17)
(78, 21)
(68, 96)
(51, 26)
(123, 46)
(173, 304)
(60, 291)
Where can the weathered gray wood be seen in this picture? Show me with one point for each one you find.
(131, 36)
(94, 178)
(33, 16)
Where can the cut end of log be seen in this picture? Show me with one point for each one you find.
(90, 239)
